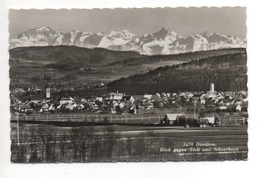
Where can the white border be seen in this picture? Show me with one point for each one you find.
(185, 169)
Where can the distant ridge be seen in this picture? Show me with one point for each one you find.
(71, 55)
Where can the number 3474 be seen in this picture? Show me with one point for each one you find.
(188, 144)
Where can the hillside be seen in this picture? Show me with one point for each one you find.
(227, 71)
(70, 55)
(184, 57)
(65, 66)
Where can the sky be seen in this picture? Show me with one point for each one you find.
(185, 21)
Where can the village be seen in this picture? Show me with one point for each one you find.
(204, 105)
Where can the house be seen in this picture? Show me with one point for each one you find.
(83, 100)
(157, 95)
(99, 99)
(188, 94)
(133, 109)
(171, 118)
(210, 118)
(223, 108)
(182, 94)
(52, 108)
(23, 107)
(45, 108)
(116, 96)
(71, 106)
(81, 106)
(150, 105)
(202, 100)
(238, 108)
(174, 94)
(163, 95)
(121, 105)
(69, 100)
(148, 96)
(100, 85)
(245, 99)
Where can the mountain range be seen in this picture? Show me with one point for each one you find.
(162, 42)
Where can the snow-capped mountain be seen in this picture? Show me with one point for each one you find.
(116, 39)
(206, 41)
(43, 36)
(164, 41)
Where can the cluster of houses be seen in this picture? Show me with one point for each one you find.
(118, 103)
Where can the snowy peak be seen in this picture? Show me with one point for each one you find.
(164, 41)
(42, 36)
(206, 34)
(116, 39)
(47, 31)
(124, 34)
(164, 33)
(207, 41)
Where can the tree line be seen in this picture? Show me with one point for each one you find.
(84, 144)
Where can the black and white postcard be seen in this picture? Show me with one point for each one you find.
(128, 85)
(136, 84)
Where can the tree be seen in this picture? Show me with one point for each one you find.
(33, 140)
(48, 143)
(21, 149)
(35, 79)
(129, 146)
(46, 77)
(62, 146)
(82, 142)
(69, 77)
(109, 141)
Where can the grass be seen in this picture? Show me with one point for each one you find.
(145, 144)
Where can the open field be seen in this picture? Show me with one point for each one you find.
(129, 143)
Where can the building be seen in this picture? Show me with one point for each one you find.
(171, 118)
(67, 101)
(210, 118)
(212, 88)
(48, 91)
(148, 96)
(116, 96)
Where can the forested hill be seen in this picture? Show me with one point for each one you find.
(71, 55)
(176, 57)
(228, 72)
